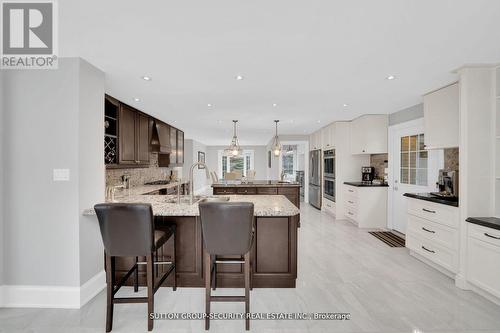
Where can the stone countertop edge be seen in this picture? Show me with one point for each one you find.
(420, 196)
(265, 205)
(361, 184)
(489, 222)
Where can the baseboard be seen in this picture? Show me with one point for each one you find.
(57, 297)
(92, 287)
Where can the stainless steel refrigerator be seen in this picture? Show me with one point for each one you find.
(315, 178)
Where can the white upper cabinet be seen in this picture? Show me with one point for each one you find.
(441, 110)
(328, 136)
(369, 134)
(315, 140)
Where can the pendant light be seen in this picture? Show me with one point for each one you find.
(234, 148)
(276, 143)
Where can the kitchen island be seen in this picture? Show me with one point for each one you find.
(291, 190)
(273, 255)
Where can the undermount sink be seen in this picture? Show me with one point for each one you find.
(214, 199)
(196, 199)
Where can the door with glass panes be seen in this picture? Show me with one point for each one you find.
(414, 171)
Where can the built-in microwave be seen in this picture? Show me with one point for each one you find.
(329, 163)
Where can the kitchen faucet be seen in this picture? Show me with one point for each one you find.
(191, 186)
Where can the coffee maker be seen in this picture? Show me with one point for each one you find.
(447, 183)
(367, 174)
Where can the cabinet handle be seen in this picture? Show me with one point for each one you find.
(490, 236)
(426, 249)
(351, 202)
(351, 191)
(429, 211)
(350, 213)
(431, 231)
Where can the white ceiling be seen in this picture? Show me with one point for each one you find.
(310, 57)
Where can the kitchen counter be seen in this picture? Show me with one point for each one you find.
(490, 222)
(363, 184)
(432, 198)
(256, 183)
(274, 252)
(265, 205)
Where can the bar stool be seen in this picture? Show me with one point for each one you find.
(128, 230)
(227, 229)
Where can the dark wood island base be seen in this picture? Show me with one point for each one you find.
(273, 255)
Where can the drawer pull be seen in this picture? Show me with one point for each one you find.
(351, 191)
(431, 231)
(429, 211)
(490, 236)
(350, 213)
(426, 249)
(351, 202)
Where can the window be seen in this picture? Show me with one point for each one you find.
(413, 160)
(241, 163)
(289, 161)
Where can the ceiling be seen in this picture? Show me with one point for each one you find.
(308, 57)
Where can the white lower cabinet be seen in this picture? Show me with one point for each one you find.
(366, 206)
(432, 233)
(483, 258)
(328, 206)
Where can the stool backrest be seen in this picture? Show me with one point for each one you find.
(227, 227)
(127, 229)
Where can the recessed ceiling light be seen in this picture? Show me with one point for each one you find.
(209, 105)
(390, 77)
(137, 99)
(292, 121)
(345, 105)
(239, 77)
(275, 105)
(318, 121)
(146, 78)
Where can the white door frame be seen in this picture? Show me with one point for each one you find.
(391, 136)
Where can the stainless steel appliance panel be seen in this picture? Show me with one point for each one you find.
(315, 178)
(315, 196)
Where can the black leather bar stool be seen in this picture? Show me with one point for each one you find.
(128, 230)
(227, 230)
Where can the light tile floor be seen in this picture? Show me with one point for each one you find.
(341, 269)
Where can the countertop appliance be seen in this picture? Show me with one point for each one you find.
(447, 183)
(367, 174)
(315, 178)
(329, 174)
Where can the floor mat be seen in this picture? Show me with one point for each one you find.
(389, 238)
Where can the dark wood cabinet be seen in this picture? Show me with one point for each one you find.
(273, 255)
(180, 147)
(133, 137)
(292, 193)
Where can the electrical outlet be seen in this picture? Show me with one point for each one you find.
(61, 175)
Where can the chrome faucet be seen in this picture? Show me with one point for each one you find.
(191, 186)
(282, 175)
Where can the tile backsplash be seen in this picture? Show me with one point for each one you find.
(139, 176)
(379, 162)
(451, 156)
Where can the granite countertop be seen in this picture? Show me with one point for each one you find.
(490, 222)
(265, 205)
(255, 183)
(432, 198)
(365, 184)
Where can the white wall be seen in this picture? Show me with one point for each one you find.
(260, 159)
(53, 119)
(2, 131)
(91, 167)
(191, 149)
